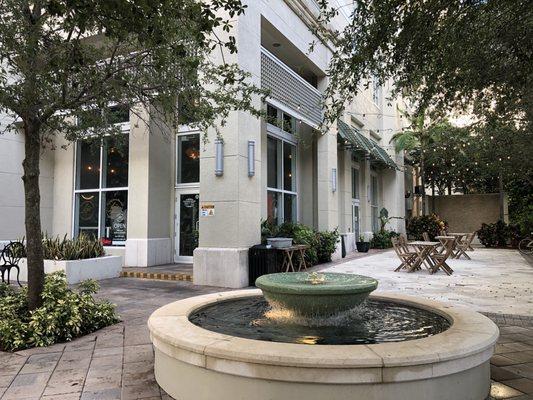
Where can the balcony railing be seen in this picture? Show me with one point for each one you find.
(290, 89)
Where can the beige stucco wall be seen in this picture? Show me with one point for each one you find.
(12, 188)
(466, 213)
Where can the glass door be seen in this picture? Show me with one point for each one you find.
(186, 225)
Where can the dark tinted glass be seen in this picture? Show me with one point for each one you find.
(88, 165)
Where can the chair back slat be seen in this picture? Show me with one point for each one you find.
(12, 253)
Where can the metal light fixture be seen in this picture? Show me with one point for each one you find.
(334, 180)
(219, 157)
(251, 158)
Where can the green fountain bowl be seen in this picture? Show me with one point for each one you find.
(294, 292)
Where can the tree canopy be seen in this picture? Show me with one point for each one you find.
(472, 56)
(64, 62)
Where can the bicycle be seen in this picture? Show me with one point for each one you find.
(526, 246)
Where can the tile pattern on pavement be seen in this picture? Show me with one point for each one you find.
(117, 362)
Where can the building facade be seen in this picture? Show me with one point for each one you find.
(157, 196)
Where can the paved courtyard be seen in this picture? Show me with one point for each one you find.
(117, 362)
(494, 281)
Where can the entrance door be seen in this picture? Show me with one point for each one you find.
(186, 225)
(355, 219)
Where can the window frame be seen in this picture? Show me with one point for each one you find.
(282, 142)
(376, 92)
(125, 130)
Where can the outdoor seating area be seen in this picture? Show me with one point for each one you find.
(433, 255)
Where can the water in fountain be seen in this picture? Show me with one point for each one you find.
(318, 309)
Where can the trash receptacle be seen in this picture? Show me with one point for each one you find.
(262, 260)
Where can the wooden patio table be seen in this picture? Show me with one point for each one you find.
(443, 239)
(288, 254)
(459, 238)
(423, 250)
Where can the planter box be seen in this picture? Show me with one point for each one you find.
(279, 243)
(363, 247)
(77, 270)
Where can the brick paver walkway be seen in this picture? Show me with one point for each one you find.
(117, 362)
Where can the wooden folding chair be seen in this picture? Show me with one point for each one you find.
(408, 258)
(439, 259)
(469, 240)
(463, 245)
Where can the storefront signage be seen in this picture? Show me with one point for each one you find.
(207, 210)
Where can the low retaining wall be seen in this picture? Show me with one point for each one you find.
(77, 270)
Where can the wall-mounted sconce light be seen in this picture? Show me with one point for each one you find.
(334, 180)
(251, 158)
(219, 157)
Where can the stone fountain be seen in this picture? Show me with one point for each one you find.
(266, 344)
(315, 294)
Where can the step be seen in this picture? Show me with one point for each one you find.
(160, 276)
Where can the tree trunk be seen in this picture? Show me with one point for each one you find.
(423, 184)
(32, 197)
(501, 197)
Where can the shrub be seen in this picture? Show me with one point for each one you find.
(382, 239)
(327, 244)
(79, 248)
(431, 224)
(64, 315)
(499, 234)
(321, 244)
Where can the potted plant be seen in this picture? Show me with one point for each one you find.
(362, 245)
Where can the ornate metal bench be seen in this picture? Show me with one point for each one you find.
(10, 258)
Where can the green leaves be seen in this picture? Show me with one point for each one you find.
(65, 58)
(444, 55)
(64, 315)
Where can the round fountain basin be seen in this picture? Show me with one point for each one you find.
(294, 291)
(193, 363)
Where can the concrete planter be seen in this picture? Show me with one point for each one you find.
(280, 242)
(78, 270)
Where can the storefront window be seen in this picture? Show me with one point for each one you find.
(101, 194)
(188, 163)
(355, 183)
(281, 119)
(281, 181)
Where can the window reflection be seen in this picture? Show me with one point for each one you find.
(87, 205)
(272, 161)
(115, 218)
(188, 165)
(273, 204)
(289, 167)
(116, 165)
(88, 164)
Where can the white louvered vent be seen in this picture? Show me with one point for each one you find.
(289, 89)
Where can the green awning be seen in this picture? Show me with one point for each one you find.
(358, 142)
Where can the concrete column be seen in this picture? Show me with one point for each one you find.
(222, 256)
(328, 202)
(394, 199)
(366, 213)
(149, 192)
